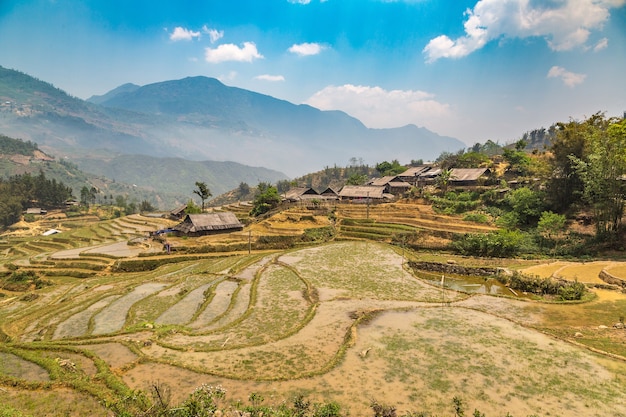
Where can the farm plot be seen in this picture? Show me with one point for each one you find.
(341, 322)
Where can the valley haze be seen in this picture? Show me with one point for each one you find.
(200, 118)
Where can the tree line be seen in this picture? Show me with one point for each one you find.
(20, 192)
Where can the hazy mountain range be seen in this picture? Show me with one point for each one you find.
(199, 118)
(163, 137)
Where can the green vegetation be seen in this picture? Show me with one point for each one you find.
(266, 199)
(10, 146)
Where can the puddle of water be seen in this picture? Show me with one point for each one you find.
(473, 284)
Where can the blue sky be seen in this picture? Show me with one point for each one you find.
(474, 70)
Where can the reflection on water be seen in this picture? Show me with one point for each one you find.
(472, 284)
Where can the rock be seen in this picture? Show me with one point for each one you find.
(578, 334)
(618, 325)
(149, 326)
(602, 327)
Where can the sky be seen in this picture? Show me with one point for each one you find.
(474, 70)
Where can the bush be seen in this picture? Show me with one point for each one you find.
(476, 218)
(499, 244)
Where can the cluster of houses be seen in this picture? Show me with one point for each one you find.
(389, 187)
(377, 190)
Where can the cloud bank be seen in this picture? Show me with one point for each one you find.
(379, 108)
(564, 24)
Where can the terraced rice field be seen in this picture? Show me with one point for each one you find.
(343, 321)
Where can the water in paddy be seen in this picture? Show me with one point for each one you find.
(473, 284)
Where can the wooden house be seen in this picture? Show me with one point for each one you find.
(362, 192)
(208, 223)
(300, 194)
(329, 194)
(178, 213)
(412, 175)
(468, 176)
(393, 184)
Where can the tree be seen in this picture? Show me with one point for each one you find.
(144, 206)
(527, 204)
(266, 199)
(357, 179)
(603, 173)
(202, 191)
(243, 189)
(443, 180)
(517, 159)
(565, 187)
(390, 168)
(551, 225)
(192, 208)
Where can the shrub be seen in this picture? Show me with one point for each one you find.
(476, 218)
(501, 243)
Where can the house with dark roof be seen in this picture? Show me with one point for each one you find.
(208, 223)
(329, 194)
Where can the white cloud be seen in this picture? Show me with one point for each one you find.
(602, 44)
(182, 34)
(570, 79)
(305, 49)
(214, 34)
(268, 77)
(379, 108)
(564, 24)
(299, 1)
(231, 52)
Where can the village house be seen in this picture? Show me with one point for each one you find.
(357, 193)
(329, 194)
(468, 177)
(300, 194)
(393, 185)
(178, 213)
(207, 224)
(412, 175)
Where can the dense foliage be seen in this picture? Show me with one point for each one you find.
(23, 191)
(10, 146)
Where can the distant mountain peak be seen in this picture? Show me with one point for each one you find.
(122, 89)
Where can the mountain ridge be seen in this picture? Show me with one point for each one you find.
(199, 118)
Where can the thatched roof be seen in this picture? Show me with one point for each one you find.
(467, 174)
(207, 222)
(361, 191)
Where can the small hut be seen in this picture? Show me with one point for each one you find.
(208, 223)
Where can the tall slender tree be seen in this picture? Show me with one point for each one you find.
(202, 191)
